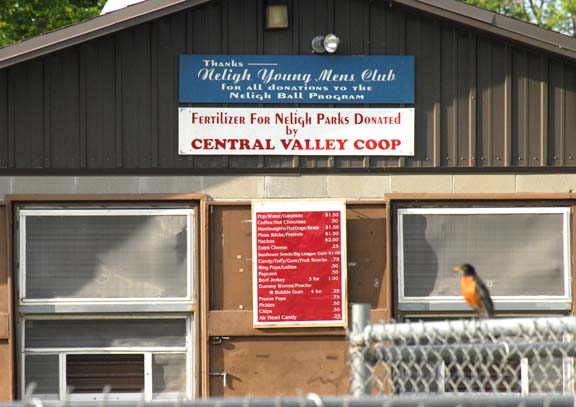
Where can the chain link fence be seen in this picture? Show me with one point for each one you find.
(512, 357)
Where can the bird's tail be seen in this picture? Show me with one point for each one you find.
(486, 313)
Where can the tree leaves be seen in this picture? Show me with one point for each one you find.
(557, 15)
(21, 19)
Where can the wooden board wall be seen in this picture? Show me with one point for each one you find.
(267, 362)
(6, 355)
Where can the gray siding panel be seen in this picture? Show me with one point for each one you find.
(556, 99)
(570, 117)
(170, 43)
(63, 95)
(111, 103)
(136, 105)
(520, 108)
(3, 118)
(497, 152)
(28, 103)
(100, 80)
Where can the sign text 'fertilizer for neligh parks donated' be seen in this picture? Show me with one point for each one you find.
(296, 79)
(295, 131)
(299, 263)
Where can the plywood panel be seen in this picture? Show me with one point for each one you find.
(230, 277)
(366, 240)
(279, 366)
(6, 369)
(231, 263)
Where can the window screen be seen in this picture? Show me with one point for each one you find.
(92, 373)
(43, 370)
(168, 375)
(517, 254)
(110, 256)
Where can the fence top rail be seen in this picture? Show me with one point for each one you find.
(505, 327)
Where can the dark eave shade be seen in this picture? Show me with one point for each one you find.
(90, 29)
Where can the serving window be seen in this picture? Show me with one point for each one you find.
(522, 254)
(105, 255)
(106, 298)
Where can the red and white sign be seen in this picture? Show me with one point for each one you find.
(299, 263)
(276, 131)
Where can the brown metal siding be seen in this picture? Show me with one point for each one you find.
(3, 118)
(111, 103)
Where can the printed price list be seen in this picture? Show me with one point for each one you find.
(299, 272)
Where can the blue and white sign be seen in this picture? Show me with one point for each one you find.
(296, 79)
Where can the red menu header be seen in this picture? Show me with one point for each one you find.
(299, 267)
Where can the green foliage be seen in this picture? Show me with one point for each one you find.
(557, 15)
(21, 19)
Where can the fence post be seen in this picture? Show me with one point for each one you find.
(360, 380)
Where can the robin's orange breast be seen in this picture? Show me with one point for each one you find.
(468, 290)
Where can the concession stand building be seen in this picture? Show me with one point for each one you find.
(194, 192)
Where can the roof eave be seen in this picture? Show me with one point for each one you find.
(494, 23)
(90, 29)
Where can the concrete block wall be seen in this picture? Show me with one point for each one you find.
(288, 186)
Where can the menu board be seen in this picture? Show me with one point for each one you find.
(299, 263)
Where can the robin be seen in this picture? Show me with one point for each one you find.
(475, 291)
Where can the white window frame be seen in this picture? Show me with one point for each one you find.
(148, 352)
(552, 302)
(25, 213)
(101, 308)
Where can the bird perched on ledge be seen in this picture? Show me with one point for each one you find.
(475, 291)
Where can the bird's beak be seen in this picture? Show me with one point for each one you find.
(458, 269)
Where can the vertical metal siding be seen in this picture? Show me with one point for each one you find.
(3, 118)
(62, 138)
(208, 37)
(556, 101)
(28, 114)
(170, 43)
(570, 116)
(387, 36)
(352, 23)
(134, 63)
(100, 99)
(111, 103)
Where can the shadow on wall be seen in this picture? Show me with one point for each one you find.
(420, 260)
